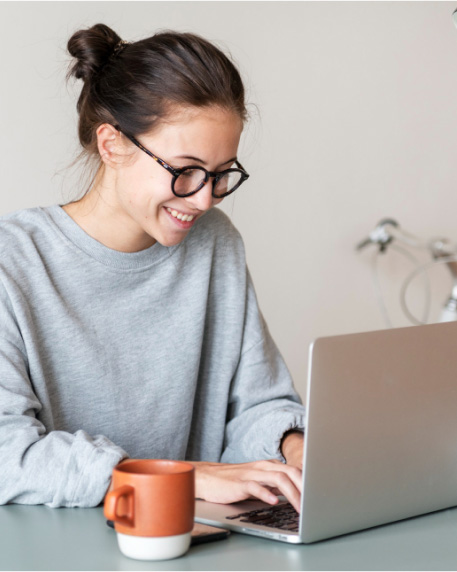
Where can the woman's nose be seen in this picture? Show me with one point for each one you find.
(203, 200)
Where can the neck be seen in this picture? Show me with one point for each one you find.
(99, 214)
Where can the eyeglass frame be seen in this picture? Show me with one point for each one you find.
(216, 176)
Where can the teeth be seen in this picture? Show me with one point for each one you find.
(180, 216)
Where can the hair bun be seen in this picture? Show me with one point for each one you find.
(92, 49)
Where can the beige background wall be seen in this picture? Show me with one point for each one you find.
(355, 120)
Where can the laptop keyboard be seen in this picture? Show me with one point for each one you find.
(282, 516)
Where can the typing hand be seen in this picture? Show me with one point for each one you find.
(226, 483)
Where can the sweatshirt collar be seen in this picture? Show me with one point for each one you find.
(108, 256)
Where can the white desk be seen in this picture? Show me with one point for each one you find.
(41, 538)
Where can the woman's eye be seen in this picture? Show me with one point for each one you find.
(191, 173)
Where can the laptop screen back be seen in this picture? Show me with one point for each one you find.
(381, 438)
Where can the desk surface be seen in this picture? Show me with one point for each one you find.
(42, 538)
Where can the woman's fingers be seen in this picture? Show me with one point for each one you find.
(227, 483)
(294, 474)
(275, 491)
(256, 490)
(278, 480)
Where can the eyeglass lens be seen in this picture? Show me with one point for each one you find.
(191, 180)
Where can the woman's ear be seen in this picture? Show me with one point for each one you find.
(110, 145)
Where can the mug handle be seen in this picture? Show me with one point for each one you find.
(111, 503)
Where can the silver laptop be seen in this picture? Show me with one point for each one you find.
(381, 437)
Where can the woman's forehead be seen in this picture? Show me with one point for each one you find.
(200, 132)
(182, 120)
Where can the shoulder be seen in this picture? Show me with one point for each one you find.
(22, 231)
(215, 238)
(23, 221)
(215, 225)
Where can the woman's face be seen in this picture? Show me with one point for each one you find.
(145, 203)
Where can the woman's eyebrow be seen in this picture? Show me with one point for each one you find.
(191, 158)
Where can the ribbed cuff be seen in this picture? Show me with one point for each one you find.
(86, 476)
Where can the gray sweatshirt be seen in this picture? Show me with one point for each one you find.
(161, 353)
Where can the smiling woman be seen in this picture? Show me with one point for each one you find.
(138, 191)
(130, 325)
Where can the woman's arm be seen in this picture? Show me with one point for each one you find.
(263, 404)
(39, 466)
(265, 422)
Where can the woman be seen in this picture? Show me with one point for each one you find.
(130, 326)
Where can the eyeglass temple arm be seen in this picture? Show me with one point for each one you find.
(172, 170)
(169, 168)
(240, 166)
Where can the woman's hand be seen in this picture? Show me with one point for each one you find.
(226, 483)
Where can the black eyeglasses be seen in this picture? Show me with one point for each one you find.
(189, 180)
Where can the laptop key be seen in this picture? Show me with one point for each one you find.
(282, 516)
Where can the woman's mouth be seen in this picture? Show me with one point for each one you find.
(181, 220)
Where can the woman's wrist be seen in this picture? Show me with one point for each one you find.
(201, 477)
(291, 446)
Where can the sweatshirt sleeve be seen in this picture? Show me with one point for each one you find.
(57, 469)
(263, 403)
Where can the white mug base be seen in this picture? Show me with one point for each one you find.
(153, 548)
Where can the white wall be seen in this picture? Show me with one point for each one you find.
(358, 121)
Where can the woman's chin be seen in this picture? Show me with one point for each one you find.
(171, 240)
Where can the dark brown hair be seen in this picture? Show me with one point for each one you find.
(135, 85)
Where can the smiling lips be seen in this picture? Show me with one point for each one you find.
(180, 216)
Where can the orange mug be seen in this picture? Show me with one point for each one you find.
(152, 504)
